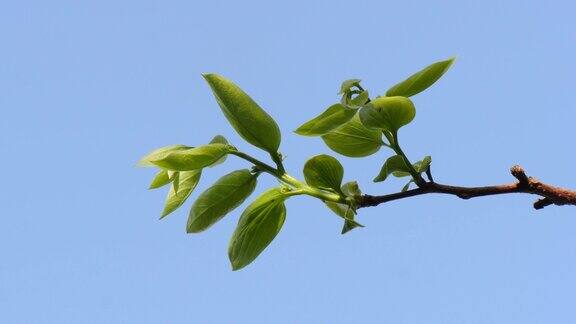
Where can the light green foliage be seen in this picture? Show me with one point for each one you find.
(161, 179)
(420, 81)
(353, 139)
(187, 182)
(392, 164)
(160, 153)
(324, 171)
(193, 158)
(354, 127)
(388, 113)
(333, 117)
(217, 201)
(257, 227)
(250, 121)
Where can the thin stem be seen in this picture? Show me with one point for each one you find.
(415, 175)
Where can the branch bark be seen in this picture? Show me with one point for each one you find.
(550, 195)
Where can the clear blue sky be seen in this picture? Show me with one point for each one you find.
(88, 87)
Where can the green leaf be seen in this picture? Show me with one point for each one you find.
(219, 139)
(392, 164)
(420, 81)
(348, 85)
(220, 199)
(347, 213)
(351, 189)
(193, 158)
(333, 117)
(423, 165)
(251, 122)
(187, 182)
(388, 113)
(353, 139)
(159, 154)
(257, 227)
(407, 186)
(324, 171)
(360, 100)
(161, 179)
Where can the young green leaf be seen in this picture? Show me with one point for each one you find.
(159, 154)
(353, 139)
(407, 186)
(347, 85)
(251, 122)
(160, 179)
(324, 171)
(176, 181)
(360, 100)
(217, 201)
(345, 212)
(257, 227)
(219, 139)
(187, 182)
(392, 164)
(388, 113)
(193, 158)
(333, 117)
(351, 189)
(423, 165)
(420, 81)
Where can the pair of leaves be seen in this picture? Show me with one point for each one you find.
(353, 139)
(222, 197)
(177, 195)
(251, 122)
(348, 212)
(258, 226)
(396, 166)
(388, 113)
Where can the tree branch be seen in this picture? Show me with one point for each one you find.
(551, 195)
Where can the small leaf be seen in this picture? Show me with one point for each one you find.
(257, 227)
(217, 201)
(348, 85)
(324, 171)
(193, 158)
(420, 81)
(392, 164)
(187, 182)
(423, 165)
(407, 186)
(159, 154)
(388, 113)
(360, 100)
(333, 117)
(219, 139)
(345, 212)
(353, 139)
(251, 122)
(161, 179)
(351, 189)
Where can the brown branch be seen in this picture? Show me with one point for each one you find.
(551, 195)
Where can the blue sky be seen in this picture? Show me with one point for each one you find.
(88, 87)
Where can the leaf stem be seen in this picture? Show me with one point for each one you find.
(415, 175)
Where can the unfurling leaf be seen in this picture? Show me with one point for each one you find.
(251, 122)
(159, 154)
(348, 85)
(193, 158)
(420, 166)
(351, 189)
(324, 171)
(353, 139)
(217, 201)
(333, 117)
(388, 113)
(393, 164)
(257, 227)
(187, 182)
(421, 80)
(160, 179)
